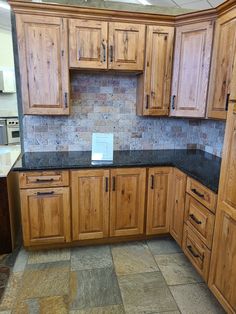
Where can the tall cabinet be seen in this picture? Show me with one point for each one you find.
(222, 280)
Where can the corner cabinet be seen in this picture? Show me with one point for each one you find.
(154, 88)
(127, 202)
(191, 68)
(92, 48)
(223, 65)
(222, 279)
(43, 60)
(159, 200)
(90, 204)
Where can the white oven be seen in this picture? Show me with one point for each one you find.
(13, 131)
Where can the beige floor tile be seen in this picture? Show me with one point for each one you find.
(9, 297)
(163, 246)
(133, 258)
(48, 256)
(196, 299)
(54, 305)
(45, 281)
(21, 261)
(177, 269)
(146, 293)
(112, 309)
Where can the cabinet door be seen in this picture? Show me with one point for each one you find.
(191, 69)
(88, 44)
(158, 69)
(127, 201)
(224, 50)
(90, 204)
(222, 280)
(159, 200)
(43, 61)
(126, 46)
(177, 210)
(45, 216)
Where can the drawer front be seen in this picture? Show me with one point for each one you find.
(202, 194)
(200, 219)
(43, 179)
(197, 252)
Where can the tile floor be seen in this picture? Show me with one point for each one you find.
(139, 277)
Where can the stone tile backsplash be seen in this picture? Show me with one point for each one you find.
(107, 103)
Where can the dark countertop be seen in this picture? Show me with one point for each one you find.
(198, 164)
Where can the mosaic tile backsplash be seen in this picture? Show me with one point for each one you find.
(107, 103)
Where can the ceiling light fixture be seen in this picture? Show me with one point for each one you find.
(144, 2)
(4, 5)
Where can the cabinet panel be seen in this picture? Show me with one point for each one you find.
(222, 279)
(88, 44)
(158, 69)
(43, 179)
(90, 204)
(191, 69)
(177, 209)
(224, 50)
(45, 216)
(159, 200)
(43, 59)
(126, 46)
(127, 201)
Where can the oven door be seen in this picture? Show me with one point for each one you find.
(3, 132)
(13, 134)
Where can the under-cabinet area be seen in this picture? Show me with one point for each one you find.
(179, 62)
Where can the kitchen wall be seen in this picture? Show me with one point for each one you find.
(107, 103)
(8, 102)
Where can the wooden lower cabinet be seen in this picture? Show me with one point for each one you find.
(177, 209)
(45, 216)
(90, 204)
(127, 201)
(158, 200)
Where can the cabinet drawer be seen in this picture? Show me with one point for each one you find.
(200, 219)
(43, 179)
(197, 252)
(202, 194)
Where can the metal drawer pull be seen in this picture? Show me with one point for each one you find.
(227, 102)
(113, 184)
(152, 181)
(173, 102)
(192, 251)
(104, 51)
(44, 180)
(45, 193)
(106, 188)
(111, 53)
(66, 100)
(197, 193)
(147, 101)
(195, 219)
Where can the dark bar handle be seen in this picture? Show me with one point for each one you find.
(106, 188)
(45, 193)
(173, 102)
(227, 102)
(152, 181)
(197, 193)
(147, 101)
(66, 99)
(195, 219)
(111, 53)
(192, 251)
(44, 180)
(113, 183)
(104, 51)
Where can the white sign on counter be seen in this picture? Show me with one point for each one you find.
(102, 146)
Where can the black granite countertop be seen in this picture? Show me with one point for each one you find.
(199, 165)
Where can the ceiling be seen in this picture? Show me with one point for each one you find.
(5, 16)
(183, 4)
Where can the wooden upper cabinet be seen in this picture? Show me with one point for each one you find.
(126, 46)
(178, 206)
(88, 44)
(90, 204)
(127, 201)
(223, 63)
(45, 216)
(191, 69)
(159, 200)
(155, 100)
(43, 61)
(222, 279)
